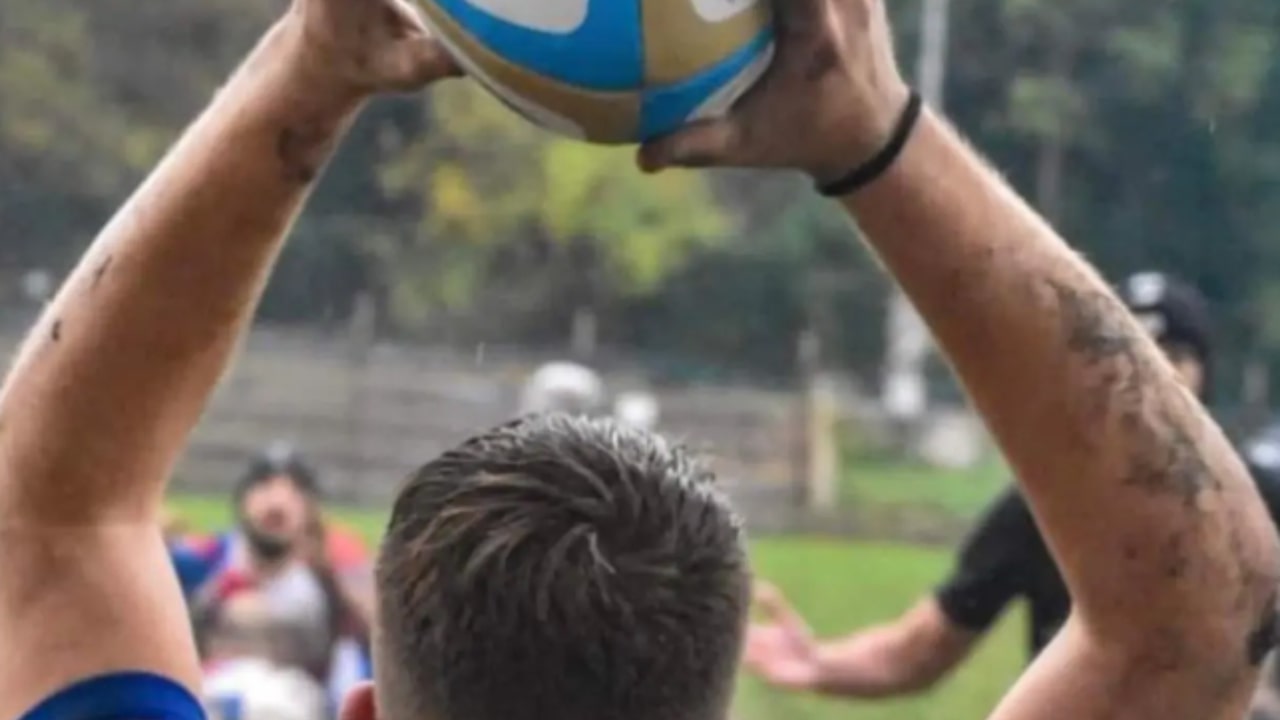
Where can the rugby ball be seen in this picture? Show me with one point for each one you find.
(609, 71)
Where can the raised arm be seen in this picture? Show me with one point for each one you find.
(113, 377)
(1161, 537)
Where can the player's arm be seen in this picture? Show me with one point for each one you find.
(1162, 539)
(111, 380)
(908, 655)
(921, 647)
(1161, 536)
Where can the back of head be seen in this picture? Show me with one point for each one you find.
(561, 568)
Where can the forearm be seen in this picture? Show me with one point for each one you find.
(111, 381)
(872, 665)
(1118, 461)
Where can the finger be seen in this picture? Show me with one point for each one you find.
(756, 645)
(417, 58)
(409, 64)
(768, 597)
(705, 143)
(776, 606)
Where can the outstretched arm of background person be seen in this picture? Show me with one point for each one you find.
(111, 380)
(918, 649)
(1163, 540)
(904, 656)
(908, 655)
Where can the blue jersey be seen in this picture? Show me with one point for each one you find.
(120, 696)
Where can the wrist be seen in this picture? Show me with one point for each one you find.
(302, 76)
(825, 670)
(861, 136)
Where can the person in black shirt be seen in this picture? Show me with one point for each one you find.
(1003, 559)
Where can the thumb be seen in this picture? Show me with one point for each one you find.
(412, 56)
(423, 60)
(778, 609)
(705, 143)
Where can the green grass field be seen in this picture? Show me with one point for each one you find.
(961, 493)
(840, 586)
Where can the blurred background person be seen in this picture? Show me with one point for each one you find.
(308, 571)
(252, 665)
(575, 389)
(565, 387)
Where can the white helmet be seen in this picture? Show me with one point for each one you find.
(563, 387)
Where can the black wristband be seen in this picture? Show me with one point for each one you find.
(867, 172)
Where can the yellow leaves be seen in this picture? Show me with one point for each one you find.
(489, 180)
(646, 226)
(455, 206)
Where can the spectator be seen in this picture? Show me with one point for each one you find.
(251, 670)
(563, 387)
(310, 572)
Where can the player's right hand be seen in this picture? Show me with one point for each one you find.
(368, 46)
(780, 648)
(827, 104)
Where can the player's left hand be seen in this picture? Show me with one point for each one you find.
(369, 46)
(780, 648)
(827, 104)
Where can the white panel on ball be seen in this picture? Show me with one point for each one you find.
(714, 11)
(550, 16)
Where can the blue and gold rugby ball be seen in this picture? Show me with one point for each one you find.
(609, 71)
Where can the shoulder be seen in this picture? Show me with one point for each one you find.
(134, 695)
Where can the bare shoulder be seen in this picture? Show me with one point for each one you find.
(85, 603)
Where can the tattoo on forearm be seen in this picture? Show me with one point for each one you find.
(1166, 457)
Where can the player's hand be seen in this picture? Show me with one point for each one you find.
(828, 103)
(780, 648)
(369, 46)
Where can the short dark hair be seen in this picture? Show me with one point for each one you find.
(279, 460)
(565, 568)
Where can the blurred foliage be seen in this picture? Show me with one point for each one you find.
(1144, 129)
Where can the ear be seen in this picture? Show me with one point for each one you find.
(359, 704)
